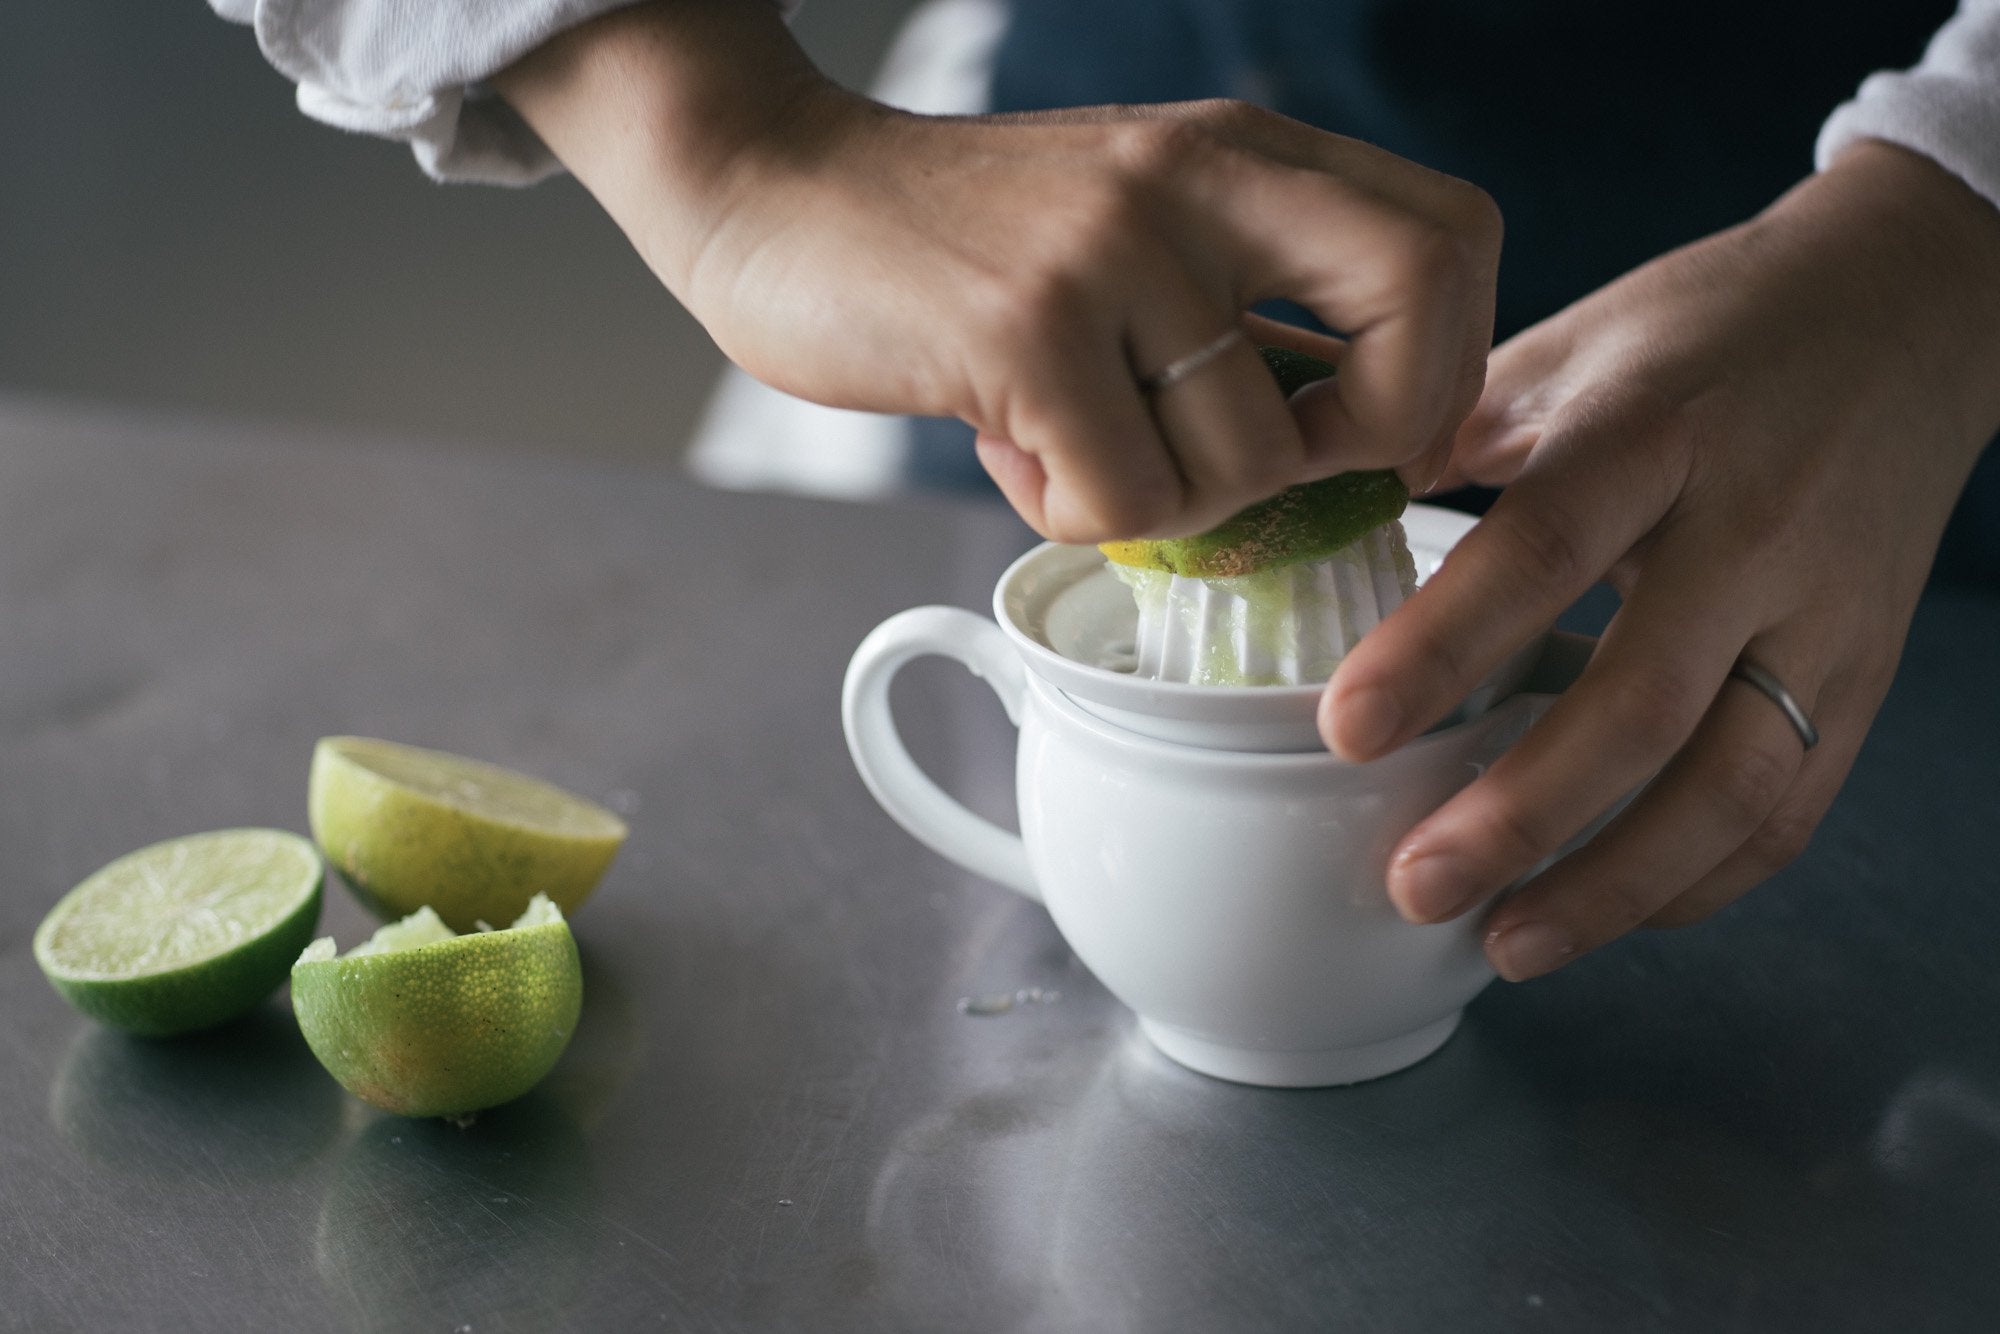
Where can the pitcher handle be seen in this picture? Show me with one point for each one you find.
(905, 791)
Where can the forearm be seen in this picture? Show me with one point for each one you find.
(663, 110)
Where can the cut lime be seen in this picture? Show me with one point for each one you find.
(186, 933)
(423, 1022)
(410, 828)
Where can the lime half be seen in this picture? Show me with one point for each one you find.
(410, 828)
(186, 933)
(423, 1022)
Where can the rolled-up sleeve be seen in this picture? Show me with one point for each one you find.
(412, 70)
(1946, 107)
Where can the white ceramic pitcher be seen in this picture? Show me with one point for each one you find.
(1211, 863)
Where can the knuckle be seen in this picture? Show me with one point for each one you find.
(1099, 514)
(1194, 136)
(1446, 659)
(1544, 549)
(1515, 835)
(1222, 483)
(1251, 470)
(1227, 114)
(1655, 709)
(1155, 149)
(1620, 906)
(1780, 840)
(1474, 217)
(1448, 251)
(1748, 783)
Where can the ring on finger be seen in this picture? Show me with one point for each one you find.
(1181, 368)
(1763, 680)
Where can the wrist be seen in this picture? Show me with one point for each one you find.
(1922, 254)
(664, 111)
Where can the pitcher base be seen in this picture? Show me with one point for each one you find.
(1300, 1069)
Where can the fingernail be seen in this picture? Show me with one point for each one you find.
(1435, 475)
(1529, 950)
(1432, 886)
(1367, 721)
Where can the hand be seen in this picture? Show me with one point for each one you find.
(1757, 440)
(1024, 273)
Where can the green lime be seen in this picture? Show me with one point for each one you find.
(186, 933)
(412, 828)
(423, 1022)
(1302, 523)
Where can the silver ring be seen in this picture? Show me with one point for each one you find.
(1175, 371)
(1751, 674)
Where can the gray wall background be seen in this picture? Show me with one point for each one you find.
(174, 234)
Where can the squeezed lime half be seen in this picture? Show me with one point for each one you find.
(421, 1021)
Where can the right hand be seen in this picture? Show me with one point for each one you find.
(1023, 273)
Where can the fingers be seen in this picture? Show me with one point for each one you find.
(1075, 449)
(1092, 454)
(1546, 540)
(1707, 434)
(1017, 473)
(1707, 810)
(1656, 672)
(1224, 424)
(1402, 260)
(1785, 832)
(1429, 471)
(1410, 288)
(1276, 333)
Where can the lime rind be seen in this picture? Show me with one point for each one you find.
(1294, 370)
(1309, 522)
(424, 1022)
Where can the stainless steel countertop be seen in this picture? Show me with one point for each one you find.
(774, 1114)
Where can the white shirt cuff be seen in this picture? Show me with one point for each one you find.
(411, 70)
(1946, 107)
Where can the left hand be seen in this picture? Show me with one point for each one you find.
(1757, 439)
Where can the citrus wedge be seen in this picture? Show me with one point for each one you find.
(184, 934)
(423, 1022)
(411, 828)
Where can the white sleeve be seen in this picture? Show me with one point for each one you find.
(1946, 107)
(411, 70)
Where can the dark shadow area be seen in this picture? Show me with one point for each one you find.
(179, 236)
